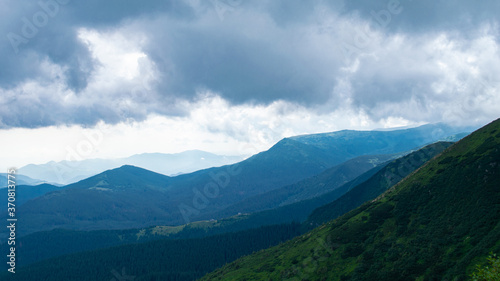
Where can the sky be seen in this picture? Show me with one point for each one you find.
(107, 79)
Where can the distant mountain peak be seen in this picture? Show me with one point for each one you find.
(65, 172)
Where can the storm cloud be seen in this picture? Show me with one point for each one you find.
(73, 62)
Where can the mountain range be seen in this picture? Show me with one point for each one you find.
(435, 223)
(19, 180)
(131, 197)
(67, 172)
(368, 184)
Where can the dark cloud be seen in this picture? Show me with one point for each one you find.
(239, 67)
(245, 51)
(48, 29)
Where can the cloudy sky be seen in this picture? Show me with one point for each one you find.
(99, 79)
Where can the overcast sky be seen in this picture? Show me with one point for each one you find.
(87, 79)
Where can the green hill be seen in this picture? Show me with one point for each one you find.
(377, 184)
(434, 225)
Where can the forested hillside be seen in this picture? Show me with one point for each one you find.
(184, 259)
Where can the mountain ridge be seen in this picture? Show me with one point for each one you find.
(19, 180)
(317, 185)
(66, 172)
(201, 195)
(296, 212)
(433, 225)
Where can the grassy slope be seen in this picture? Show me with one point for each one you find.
(431, 226)
(376, 185)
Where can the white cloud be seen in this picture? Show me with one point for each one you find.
(438, 77)
(212, 125)
(118, 54)
(124, 74)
